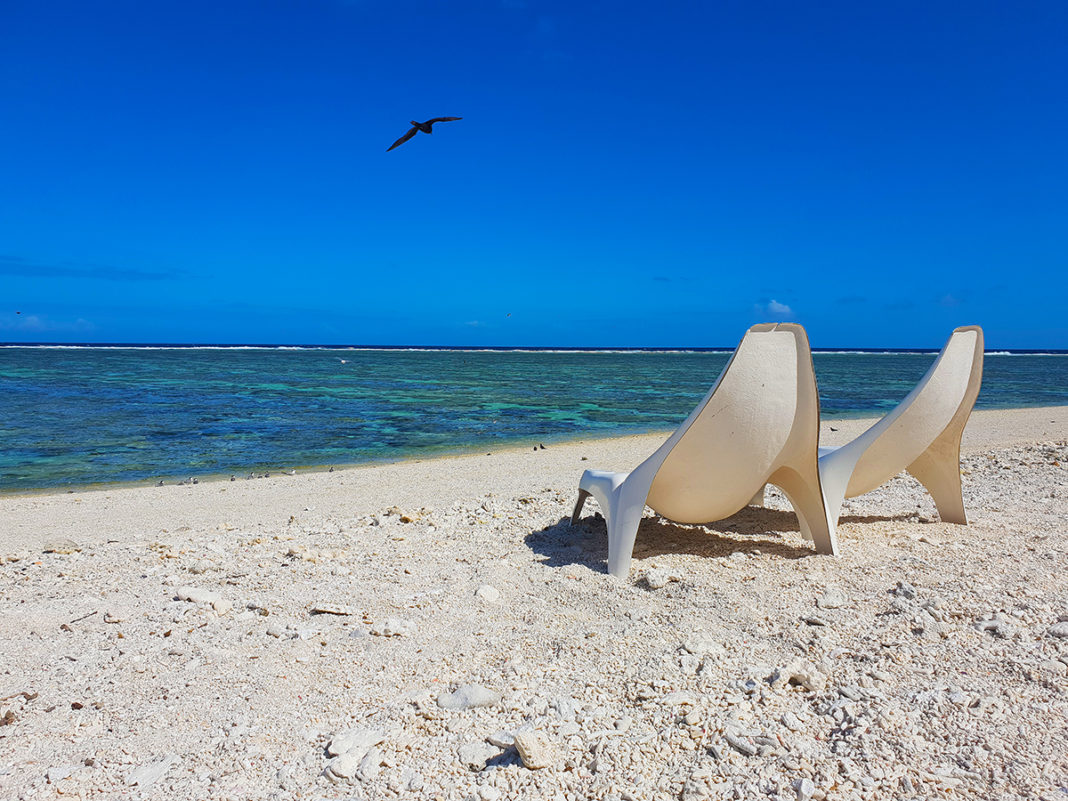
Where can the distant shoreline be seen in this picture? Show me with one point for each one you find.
(491, 348)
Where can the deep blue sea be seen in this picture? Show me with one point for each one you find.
(77, 416)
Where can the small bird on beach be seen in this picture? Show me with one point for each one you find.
(425, 127)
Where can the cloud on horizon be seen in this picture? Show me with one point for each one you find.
(27, 268)
(33, 323)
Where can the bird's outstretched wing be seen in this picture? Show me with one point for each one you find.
(403, 139)
(442, 119)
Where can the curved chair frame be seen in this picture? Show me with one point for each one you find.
(758, 424)
(921, 435)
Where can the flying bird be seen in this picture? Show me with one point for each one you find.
(425, 127)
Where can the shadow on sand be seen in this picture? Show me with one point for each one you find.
(750, 529)
(753, 528)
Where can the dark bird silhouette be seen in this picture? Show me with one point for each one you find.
(425, 127)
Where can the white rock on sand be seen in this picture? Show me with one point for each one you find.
(944, 672)
(469, 696)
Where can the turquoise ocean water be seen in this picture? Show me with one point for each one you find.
(77, 416)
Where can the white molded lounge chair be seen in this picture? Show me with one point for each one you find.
(922, 435)
(758, 424)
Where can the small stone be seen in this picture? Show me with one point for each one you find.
(502, 739)
(488, 593)
(393, 627)
(657, 579)
(740, 745)
(804, 788)
(222, 606)
(851, 692)
(800, 673)
(152, 772)
(904, 590)
(55, 775)
(344, 767)
(370, 765)
(534, 749)
(474, 756)
(469, 696)
(332, 609)
(195, 595)
(1059, 630)
(61, 545)
(791, 721)
(999, 628)
(357, 741)
(832, 598)
(700, 644)
(1054, 666)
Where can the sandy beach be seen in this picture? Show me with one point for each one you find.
(394, 630)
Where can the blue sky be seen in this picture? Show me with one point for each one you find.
(626, 173)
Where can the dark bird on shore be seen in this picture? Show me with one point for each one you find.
(425, 127)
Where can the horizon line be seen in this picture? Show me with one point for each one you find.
(531, 348)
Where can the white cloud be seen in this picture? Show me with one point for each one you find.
(773, 309)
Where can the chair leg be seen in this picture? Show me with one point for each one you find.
(582, 496)
(621, 497)
(813, 517)
(623, 525)
(938, 469)
(836, 469)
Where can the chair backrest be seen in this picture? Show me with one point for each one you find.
(762, 409)
(944, 396)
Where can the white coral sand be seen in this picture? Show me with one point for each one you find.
(928, 659)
